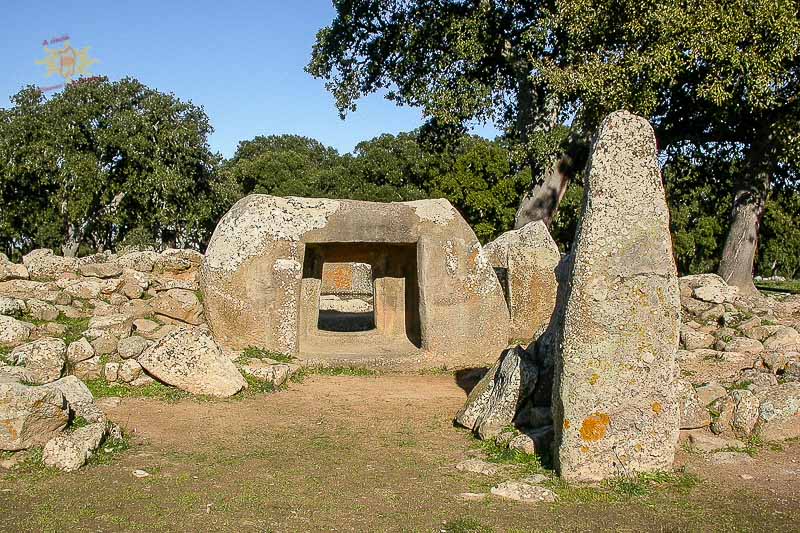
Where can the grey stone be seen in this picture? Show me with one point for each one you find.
(43, 264)
(88, 369)
(79, 350)
(190, 360)
(129, 370)
(111, 372)
(30, 416)
(116, 325)
(43, 359)
(614, 399)
(11, 306)
(693, 413)
(13, 332)
(179, 304)
(132, 347)
(524, 492)
(269, 371)
(779, 412)
(100, 270)
(70, 451)
(494, 401)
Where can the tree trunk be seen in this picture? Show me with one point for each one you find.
(541, 201)
(738, 255)
(741, 244)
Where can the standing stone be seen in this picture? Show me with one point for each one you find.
(614, 401)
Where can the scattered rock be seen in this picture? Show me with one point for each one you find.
(729, 458)
(43, 359)
(179, 304)
(779, 412)
(190, 360)
(70, 451)
(785, 338)
(523, 492)
(129, 371)
(477, 466)
(30, 416)
(269, 371)
(100, 270)
(43, 264)
(80, 350)
(140, 473)
(132, 347)
(11, 306)
(13, 332)
(494, 401)
(693, 413)
(116, 325)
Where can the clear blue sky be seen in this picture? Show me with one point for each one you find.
(242, 60)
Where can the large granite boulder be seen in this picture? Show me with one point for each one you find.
(614, 399)
(493, 403)
(30, 416)
(526, 260)
(43, 359)
(43, 264)
(190, 360)
(179, 304)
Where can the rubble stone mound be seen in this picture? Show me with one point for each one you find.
(436, 298)
(614, 398)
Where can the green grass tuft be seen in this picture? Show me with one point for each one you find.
(110, 450)
(530, 464)
(252, 352)
(465, 525)
(100, 388)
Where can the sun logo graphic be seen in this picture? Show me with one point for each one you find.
(66, 61)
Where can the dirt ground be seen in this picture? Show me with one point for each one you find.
(361, 453)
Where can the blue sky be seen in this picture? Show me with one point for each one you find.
(242, 60)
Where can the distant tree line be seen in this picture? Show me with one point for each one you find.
(106, 164)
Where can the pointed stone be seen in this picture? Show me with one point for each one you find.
(615, 406)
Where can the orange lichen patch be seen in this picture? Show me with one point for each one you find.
(584, 449)
(10, 429)
(594, 427)
(566, 423)
(594, 379)
(342, 277)
(657, 408)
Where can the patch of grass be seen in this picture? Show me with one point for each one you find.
(78, 422)
(644, 483)
(465, 525)
(74, 326)
(252, 352)
(256, 386)
(529, 464)
(791, 286)
(31, 467)
(300, 375)
(4, 352)
(111, 448)
(740, 385)
(100, 388)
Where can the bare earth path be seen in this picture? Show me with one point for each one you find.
(359, 454)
